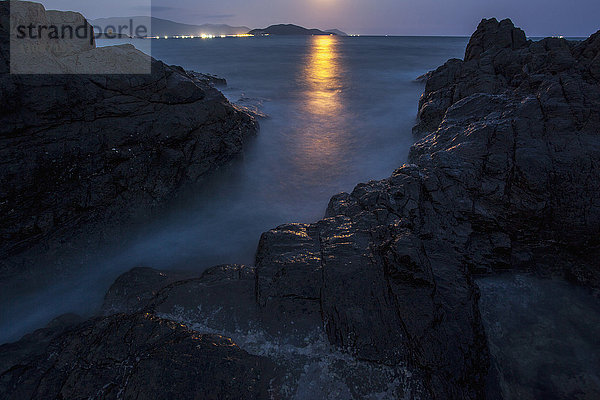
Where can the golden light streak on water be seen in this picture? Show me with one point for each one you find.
(324, 141)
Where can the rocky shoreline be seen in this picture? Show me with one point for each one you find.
(505, 176)
(91, 153)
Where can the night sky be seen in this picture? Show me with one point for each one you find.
(379, 17)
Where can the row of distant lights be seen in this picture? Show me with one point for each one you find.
(204, 36)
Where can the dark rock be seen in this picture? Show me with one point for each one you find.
(507, 179)
(35, 343)
(132, 291)
(222, 297)
(491, 34)
(104, 150)
(384, 288)
(208, 79)
(517, 136)
(423, 78)
(130, 356)
(222, 301)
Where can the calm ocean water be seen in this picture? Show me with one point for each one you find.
(340, 112)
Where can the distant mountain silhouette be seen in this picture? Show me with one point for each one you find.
(337, 32)
(165, 27)
(288, 29)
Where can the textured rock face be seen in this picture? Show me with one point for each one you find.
(133, 290)
(222, 297)
(491, 34)
(518, 132)
(223, 301)
(507, 178)
(386, 285)
(80, 149)
(130, 356)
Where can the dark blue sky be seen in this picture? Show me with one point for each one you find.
(395, 17)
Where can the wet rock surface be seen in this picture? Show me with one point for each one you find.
(130, 356)
(542, 337)
(92, 152)
(222, 297)
(515, 132)
(505, 177)
(133, 290)
(223, 301)
(385, 291)
(210, 79)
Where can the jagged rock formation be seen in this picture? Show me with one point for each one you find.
(130, 356)
(133, 290)
(517, 135)
(506, 176)
(77, 150)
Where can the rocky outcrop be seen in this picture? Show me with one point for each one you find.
(517, 135)
(379, 276)
(133, 290)
(130, 356)
(494, 35)
(210, 79)
(222, 297)
(507, 178)
(223, 301)
(101, 150)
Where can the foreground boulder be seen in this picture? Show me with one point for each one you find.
(381, 279)
(222, 297)
(101, 150)
(130, 356)
(133, 290)
(222, 301)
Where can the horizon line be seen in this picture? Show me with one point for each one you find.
(536, 35)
